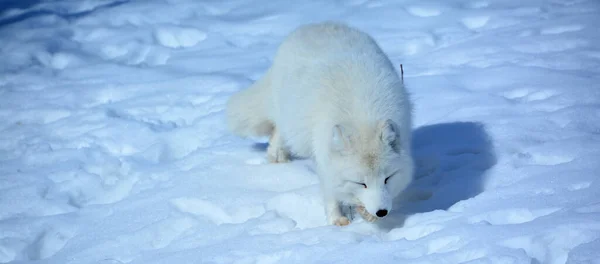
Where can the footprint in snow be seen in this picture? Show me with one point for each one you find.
(133, 53)
(157, 235)
(554, 45)
(48, 243)
(420, 11)
(304, 211)
(356, 2)
(510, 216)
(579, 186)
(57, 61)
(216, 213)
(100, 179)
(544, 191)
(155, 124)
(256, 161)
(553, 246)
(475, 22)
(478, 4)
(272, 223)
(549, 159)
(178, 37)
(589, 209)
(445, 244)
(528, 95)
(560, 29)
(199, 207)
(414, 232)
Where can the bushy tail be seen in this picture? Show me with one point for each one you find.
(247, 110)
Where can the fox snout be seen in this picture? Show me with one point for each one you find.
(376, 202)
(381, 213)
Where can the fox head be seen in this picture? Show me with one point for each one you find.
(371, 165)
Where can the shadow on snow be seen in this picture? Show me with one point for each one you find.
(27, 4)
(451, 160)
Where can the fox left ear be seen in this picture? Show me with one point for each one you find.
(389, 133)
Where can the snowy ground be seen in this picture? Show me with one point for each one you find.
(113, 147)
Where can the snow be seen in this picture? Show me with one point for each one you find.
(113, 147)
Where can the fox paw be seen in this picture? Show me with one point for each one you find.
(342, 221)
(278, 156)
(277, 152)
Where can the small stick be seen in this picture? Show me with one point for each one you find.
(402, 71)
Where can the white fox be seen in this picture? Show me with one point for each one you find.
(332, 94)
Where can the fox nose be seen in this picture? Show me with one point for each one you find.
(381, 213)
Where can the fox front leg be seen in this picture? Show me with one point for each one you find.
(334, 213)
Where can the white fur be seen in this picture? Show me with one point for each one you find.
(333, 95)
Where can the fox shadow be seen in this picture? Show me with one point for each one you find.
(6, 5)
(451, 160)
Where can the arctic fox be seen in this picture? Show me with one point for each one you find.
(332, 95)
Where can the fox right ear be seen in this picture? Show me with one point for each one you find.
(341, 140)
(389, 134)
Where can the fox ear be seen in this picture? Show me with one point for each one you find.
(341, 139)
(389, 133)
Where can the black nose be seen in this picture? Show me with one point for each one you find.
(381, 213)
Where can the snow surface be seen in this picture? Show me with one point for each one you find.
(113, 147)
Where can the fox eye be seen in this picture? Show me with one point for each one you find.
(359, 183)
(386, 179)
(363, 185)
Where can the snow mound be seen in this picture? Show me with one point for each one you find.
(114, 149)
